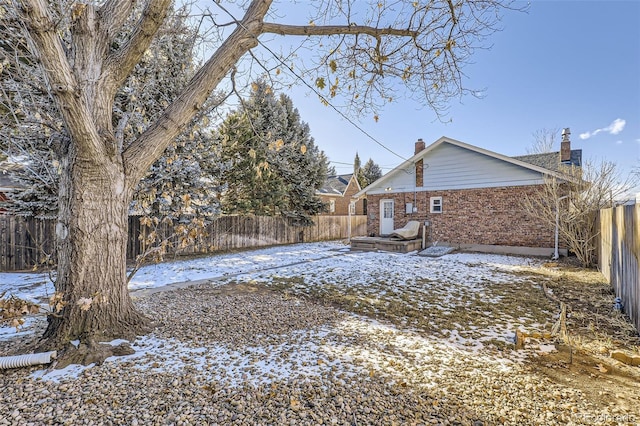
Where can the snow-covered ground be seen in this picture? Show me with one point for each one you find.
(444, 285)
(37, 287)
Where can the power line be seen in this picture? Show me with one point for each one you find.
(313, 89)
(351, 164)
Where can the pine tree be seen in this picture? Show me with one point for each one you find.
(37, 174)
(250, 184)
(356, 166)
(272, 166)
(305, 169)
(369, 173)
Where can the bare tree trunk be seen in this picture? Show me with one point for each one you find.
(92, 240)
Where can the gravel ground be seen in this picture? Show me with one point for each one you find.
(246, 354)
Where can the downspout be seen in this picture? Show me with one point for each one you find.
(349, 224)
(26, 360)
(556, 254)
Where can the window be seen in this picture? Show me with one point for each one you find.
(352, 208)
(387, 209)
(332, 206)
(436, 204)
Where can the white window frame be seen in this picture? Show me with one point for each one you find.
(332, 206)
(352, 208)
(434, 203)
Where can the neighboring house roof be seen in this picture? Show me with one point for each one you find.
(7, 183)
(551, 160)
(537, 163)
(336, 185)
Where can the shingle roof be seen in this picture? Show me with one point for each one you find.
(6, 181)
(335, 185)
(551, 160)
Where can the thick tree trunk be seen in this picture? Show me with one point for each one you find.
(92, 239)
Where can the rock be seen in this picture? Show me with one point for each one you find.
(625, 358)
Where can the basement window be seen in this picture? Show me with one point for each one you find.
(436, 204)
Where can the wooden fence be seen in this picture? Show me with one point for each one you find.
(24, 242)
(618, 252)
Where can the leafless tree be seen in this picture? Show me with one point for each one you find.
(544, 140)
(571, 205)
(362, 52)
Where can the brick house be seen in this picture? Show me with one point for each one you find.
(337, 192)
(467, 196)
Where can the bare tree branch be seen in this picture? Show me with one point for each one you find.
(572, 204)
(61, 79)
(113, 14)
(544, 140)
(325, 30)
(122, 61)
(150, 145)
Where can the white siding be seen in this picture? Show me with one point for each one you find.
(452, 167)
(403, 180)
(449, 166)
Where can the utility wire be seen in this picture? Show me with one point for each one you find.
(313, 89)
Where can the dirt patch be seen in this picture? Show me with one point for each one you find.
(594, 330)
(613, 387)
(592, 321)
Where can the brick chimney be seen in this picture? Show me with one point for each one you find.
(565, 146)
(419, 146)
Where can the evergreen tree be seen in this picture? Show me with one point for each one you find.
(356, 166)
(272, 166)
(37, 174)
(303, 165)
(369, 173)
(181, 184)
(250, 184)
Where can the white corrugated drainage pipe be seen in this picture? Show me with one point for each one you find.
(26, 360)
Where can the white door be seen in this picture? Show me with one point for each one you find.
(386, 217)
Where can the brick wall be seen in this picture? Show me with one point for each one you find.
(469, 216)
(419, 172)
(342, 203)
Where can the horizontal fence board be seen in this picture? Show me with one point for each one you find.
(28, 242)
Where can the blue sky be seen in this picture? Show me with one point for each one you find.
(562, 64)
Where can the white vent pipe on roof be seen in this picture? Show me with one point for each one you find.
(26, 360)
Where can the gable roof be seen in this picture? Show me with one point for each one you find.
(336, 185)
(518, 161)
